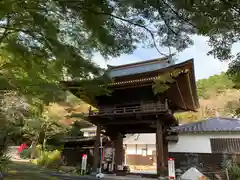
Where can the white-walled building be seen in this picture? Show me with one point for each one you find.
(198, 137)
(91, 131)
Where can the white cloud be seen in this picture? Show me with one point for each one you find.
(205, 65)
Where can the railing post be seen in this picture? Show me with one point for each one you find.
(166, 103)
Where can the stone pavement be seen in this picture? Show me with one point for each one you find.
(28, 171)
(106, 177)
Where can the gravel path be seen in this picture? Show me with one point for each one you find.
(28, 171)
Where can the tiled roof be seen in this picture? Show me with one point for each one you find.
(90, 129)
(141, 67)
(78, 139)
(210, 125)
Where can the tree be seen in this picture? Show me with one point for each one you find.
(213, 85)
(218, 20)
(42, 129)
(234, 108)
(13, 109)
(44, 40)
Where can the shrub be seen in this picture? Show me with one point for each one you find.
(54, 159)
(42, 160)
(38, 150)
(233, 170)
(49, 159)
(4, 161)
(25, 153)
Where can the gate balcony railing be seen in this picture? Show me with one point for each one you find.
(144, 108)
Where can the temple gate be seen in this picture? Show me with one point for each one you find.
(133, 107)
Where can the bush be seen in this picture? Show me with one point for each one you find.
(38, 150)
(25, 153)
(54, 159)
(233, 170)
(42, 160)
(4, 161)
(49, 159)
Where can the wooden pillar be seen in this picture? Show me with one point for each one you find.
(165, 153)
(125, 154)
(159, 148)
(96, 149)
(119, 151)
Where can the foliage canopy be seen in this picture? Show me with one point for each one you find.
(213, 84)
(45, 40)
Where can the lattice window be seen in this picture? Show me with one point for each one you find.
(91, 133)
(225, 145)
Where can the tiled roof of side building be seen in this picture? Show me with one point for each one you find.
(90, 129)
(210, 125)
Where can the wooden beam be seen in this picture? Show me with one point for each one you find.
(116, 122)
(190, 89)
(180, 93)
(132, 131)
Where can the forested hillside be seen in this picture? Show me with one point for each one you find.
(216, 94)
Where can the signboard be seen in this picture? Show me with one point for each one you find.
(171, 168)
(84, 162)
(108, 154)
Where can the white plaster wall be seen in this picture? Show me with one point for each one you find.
(192, 143)
(198, 142)
(85, 134)
(131, 149)
(151, 148)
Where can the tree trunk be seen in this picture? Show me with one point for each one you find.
(33, 147)
(44, 143)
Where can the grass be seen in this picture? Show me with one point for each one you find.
(28, 171)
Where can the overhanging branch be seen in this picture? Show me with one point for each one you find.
(130, 22)
(5, 32)
(165, 21)
(177, 14)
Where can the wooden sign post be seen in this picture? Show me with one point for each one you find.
(171, 168)
(84, 164)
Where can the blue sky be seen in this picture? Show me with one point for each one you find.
(205, 65)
